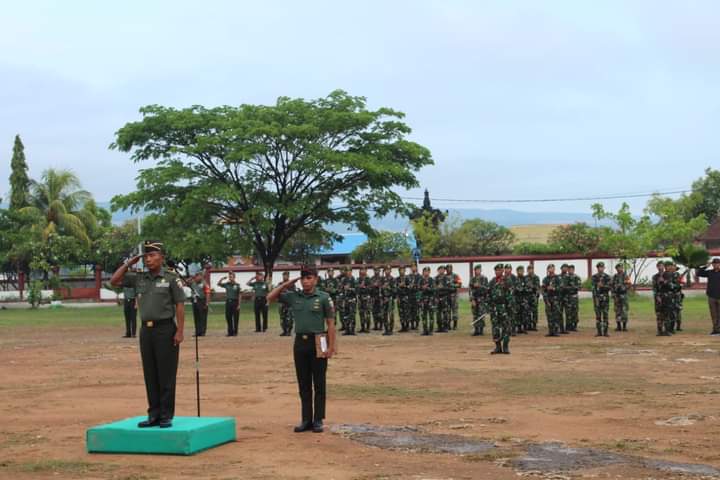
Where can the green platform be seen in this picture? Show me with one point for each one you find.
(187, 436)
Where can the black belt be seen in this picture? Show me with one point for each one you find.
(157, 323)
(308, 336)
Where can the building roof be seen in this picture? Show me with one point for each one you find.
(345, 246)
(713, 231)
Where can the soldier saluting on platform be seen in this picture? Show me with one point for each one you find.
(161, 303)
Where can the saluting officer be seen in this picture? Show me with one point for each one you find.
(232, 303)
(161, 300)
(313, 312)
(260, 288)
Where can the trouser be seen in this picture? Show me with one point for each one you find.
(286, 319)
(414, 311)
(130, 311)
(620, 302)
(348, 315)
(310, 372)
(377, 313)
(261, 308)
(573, 311)
(364, 305)
(339, 303)
(443, 313)
(501, 324)
(427, 308)
(388, 314)
(602, 309)
(478, 316)
(714, 304)
(160, 362)
(454, 310)
(534, 311)
(553, 310)
(200, 316)
(404, 313)
(564, 318)
(232, 316)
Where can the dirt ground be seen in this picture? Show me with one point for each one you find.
(619, 394)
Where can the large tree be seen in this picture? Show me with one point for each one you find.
(383, 247)
(705, 196)
(474, 237)
(273, 171)
(19, 180)
(576, 238)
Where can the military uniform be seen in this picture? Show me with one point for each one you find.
(130, 311)
(348, 292)
(232, 306)
(364, 300)
(426, 287)
(658, 289)
(260, 290)
(572, 301)
(403, 299)
(619, 288)
(376, 294)
(158, 297)
(443, 307)
(199, 306)
(601, 300)
(499, 300)
(310, 312)
(534, 303)
(330, 285)
(413, 282)
(478, 292)
(551, 296)
(524, 289)
(455, 284)
(510, 280)
(388, 293)
(563, 296)
(286, 318)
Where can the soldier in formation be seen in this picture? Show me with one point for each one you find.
(619, 286)
(443, 290)
(522, 292)
(329, 285)
(286, 318)
(455, 284)
(414, 296)
(551, 297)
(478, 300)
(601, 299)
(376, 295)
(347, 297)
(428, 301)
(499, 301)
(364, 299)
(534, 297)
(403, 299)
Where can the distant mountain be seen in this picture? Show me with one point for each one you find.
(507, 218)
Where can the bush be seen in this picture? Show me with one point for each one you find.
(532, 248)
(34, 296)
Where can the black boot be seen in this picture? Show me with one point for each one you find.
(599, 331)
(605, 331)
(476, 332)
(624, 326)
(498, 348)
(678, 325)
(618, 328)
(506, 346)
(481, 331)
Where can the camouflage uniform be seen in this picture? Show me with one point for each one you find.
(670, 293)
(534, 304)
(574, 283)
(510, 280)
(658, 288)
(388, 302)
(478, 292)
(286, 318)
(551, 296)
(376, 295)
(364, 301)
(455, 285)
(443, 307)
(403, 300)
(499, 300)
(563, 296)
(524, 290)
(330, 286)
(426, 288)
(619, 287)
(348, 292)
(601, 301)
(414, 299)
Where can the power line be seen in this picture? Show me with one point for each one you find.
(547, 200)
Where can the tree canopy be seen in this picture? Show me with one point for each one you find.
(19, 180)
(273, 171)
(383, 247)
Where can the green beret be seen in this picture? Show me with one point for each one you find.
(427, 269)
(669, 263)
(499, 266)
(564, 265)
(520, 268)
(441, 267)
(552, 265)
(477, 267)
(507, 265)
(619, 265)
(600, 264)
(571, 266)
(660, 262)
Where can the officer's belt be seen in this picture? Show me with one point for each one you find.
(308, 336)
(157, 323)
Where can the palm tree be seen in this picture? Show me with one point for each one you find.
(58, 200)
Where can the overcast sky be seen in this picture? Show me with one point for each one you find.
(515, 99)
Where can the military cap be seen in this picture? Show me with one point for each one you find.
(660, 262)
(552, 265)
(441, 267)
(449, 265)
(520, 268)
(619, 265)
(716, 260)
(153, 246)
(477, 267)
(600, 264)
(427, 269)
(669, 263)
(308, 271)
(499, 266)
(571, 266)
(507, 265)
(564, 265)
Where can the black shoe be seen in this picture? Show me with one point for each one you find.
(126, 336)
(150, 422)
(165, 423)
(552, 335)
(475, 334)
(303, 427)
(317, 426)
